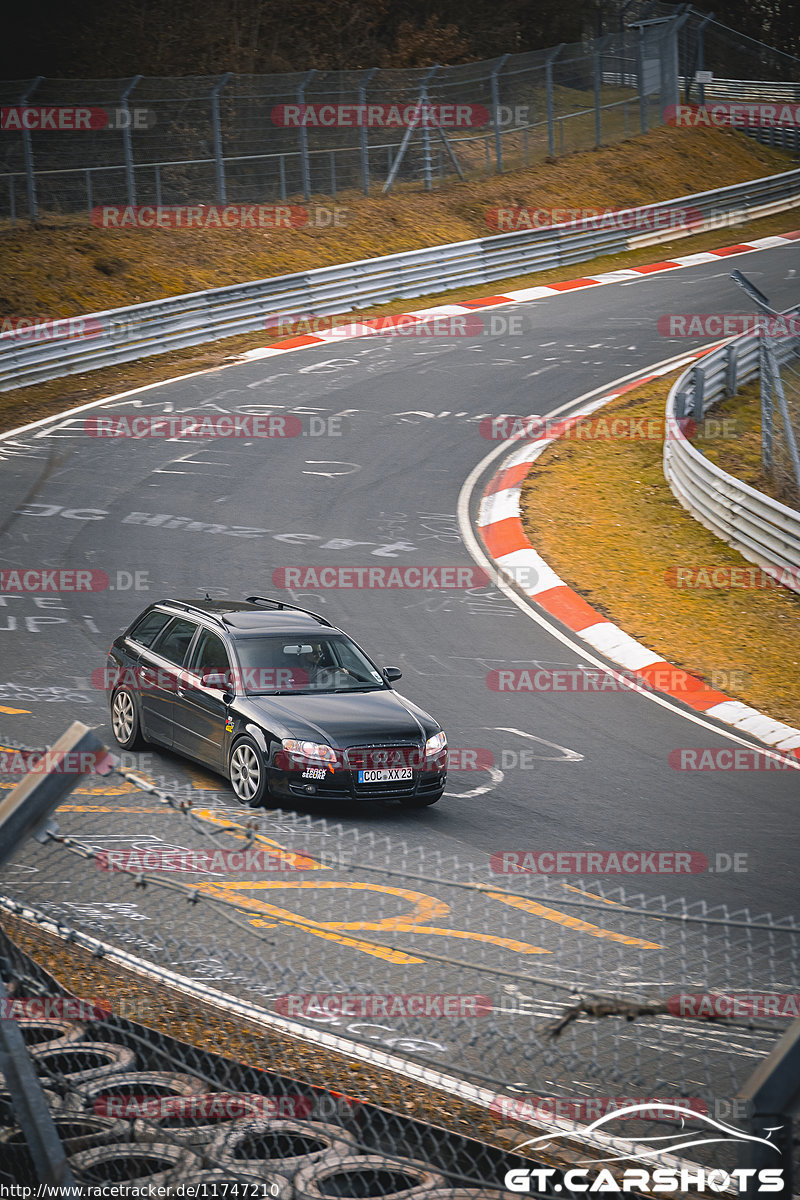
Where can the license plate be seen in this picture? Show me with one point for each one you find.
(389, 775)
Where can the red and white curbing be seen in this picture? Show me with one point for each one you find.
(506, 542)
(376, 327)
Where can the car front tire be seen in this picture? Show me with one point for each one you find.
(248, 773)
(125, 721)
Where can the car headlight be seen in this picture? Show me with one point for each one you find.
(309, 750)
(436, 743)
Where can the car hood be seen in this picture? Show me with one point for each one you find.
(344, 719)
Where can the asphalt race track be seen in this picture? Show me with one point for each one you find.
(594, 773)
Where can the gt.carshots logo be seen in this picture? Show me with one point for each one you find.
(655, 1179)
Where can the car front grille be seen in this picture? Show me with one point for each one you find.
(380, 756)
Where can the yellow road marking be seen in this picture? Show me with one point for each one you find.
(13, 712)
(551, 914)
(424, 908)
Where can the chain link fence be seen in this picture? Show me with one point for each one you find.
(245, 139)
(270, 993)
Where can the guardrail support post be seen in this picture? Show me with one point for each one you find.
(219, 161)
(548, 75)
(498, 147)
(127, 144)
(27, 150)
(699, 394)
(771, 1094)
(363, 134)
(731, 370)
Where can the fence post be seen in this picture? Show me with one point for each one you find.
(363, 133)
(222, 192)
(305, 169)
(766, 406)
(771, 1094)
(597, 73)
(127, 144)
(548, 76)
(25, 811)
(498, 141)
(27, 150)
(640, 77)
(426, 132)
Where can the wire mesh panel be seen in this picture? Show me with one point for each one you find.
(279, 955)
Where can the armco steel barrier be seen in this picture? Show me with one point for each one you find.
(763, 530)
(124, 334)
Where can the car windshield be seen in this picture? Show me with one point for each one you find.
(294, 664)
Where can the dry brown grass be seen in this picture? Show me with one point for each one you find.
(601, 514)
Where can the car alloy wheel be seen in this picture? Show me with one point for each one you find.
(248, 773)
(125, 721)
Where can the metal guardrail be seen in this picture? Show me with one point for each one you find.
(157, 327)
(763, 530)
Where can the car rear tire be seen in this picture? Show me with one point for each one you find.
(248, 773)
(125, 720)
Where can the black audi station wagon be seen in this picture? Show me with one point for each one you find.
(277, 699)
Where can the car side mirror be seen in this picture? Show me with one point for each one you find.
(390, 674)
(216, 679)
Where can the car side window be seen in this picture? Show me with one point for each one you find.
(173, 642)
(209, 655)
(147, 629)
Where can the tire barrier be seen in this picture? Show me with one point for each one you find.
(271, 1186)
(50, 1033)
(106, 1096)
(84, 1061)
(76, 1131)
(154, 1164)
(284, 1146)
(186, 1128)
(367, 1176)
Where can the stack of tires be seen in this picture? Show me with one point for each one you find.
(87, 1084)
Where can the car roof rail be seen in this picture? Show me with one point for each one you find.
(284, 604)
(185, 606)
